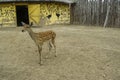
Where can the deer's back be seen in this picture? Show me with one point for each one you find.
(46, 35)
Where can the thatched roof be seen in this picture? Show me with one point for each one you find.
(64, 1)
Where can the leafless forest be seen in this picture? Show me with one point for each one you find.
(104, 13)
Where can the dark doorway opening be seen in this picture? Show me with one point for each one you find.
(22, 14)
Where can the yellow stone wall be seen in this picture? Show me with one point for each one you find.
(7, 14)
(53, 8)
(36, 11)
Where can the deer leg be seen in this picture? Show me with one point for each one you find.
(53, 42)
(40, 55)
(50, 47)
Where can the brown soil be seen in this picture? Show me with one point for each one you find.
(83, 53)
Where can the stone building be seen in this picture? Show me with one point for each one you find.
(47, 12)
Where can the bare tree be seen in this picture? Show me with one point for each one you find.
(107, 15)
(97, 12)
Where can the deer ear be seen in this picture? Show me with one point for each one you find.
(23, 23)
(31, 24)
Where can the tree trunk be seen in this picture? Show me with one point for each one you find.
(107, 15)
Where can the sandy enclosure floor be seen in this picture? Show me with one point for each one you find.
(84, 53)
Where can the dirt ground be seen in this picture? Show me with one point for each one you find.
(83, 53)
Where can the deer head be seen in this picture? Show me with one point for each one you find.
(26, 26)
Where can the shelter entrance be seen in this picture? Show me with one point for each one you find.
(22, 14)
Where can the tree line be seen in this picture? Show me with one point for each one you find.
(104, 13)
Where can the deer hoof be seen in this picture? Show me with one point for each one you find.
(36, 50)
(40, 63)
(55, 55)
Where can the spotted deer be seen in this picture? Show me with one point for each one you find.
(41, 37)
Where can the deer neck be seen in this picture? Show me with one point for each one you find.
(31, 33)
